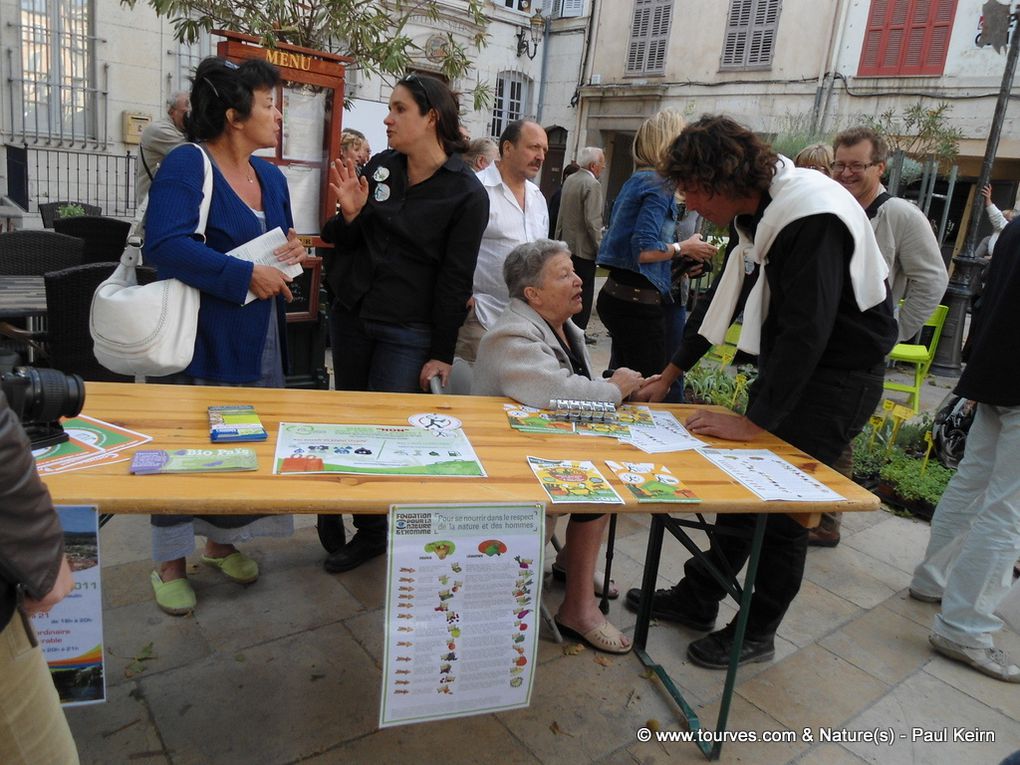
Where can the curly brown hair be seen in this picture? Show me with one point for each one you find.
(721, 156)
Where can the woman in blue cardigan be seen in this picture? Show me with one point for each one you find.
(233, 115)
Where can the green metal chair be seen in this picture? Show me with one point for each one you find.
(920, 355)
(723, 354)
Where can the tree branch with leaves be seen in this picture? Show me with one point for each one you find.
(374, 34)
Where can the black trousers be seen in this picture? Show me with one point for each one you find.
(638, 332)
(832, 409)
(586, 270)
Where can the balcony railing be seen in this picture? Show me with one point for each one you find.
(106, 180)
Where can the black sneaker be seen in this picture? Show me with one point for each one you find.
(359, 550)
(668, 607)
(713, 651)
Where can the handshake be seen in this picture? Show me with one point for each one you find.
(631, 383)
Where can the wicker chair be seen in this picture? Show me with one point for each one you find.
(34, 253)
(104, 238)
(49, 211)
(66, 344)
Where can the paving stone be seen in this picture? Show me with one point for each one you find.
(273, 703)
(596, 709)
(853, 575)
(745, 718)
(176, 641)
(125, 539)
(884, 644)
(830, 754)
(126, 583)
(929, 704)
(118, 730)
(899, 542)
(367, 583)
(468, 741)
(281, 602)
(915, 610)
(815, 612)
(855, 522)
(812, 688)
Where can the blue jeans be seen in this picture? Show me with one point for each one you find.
(376, 356)
(674, 316)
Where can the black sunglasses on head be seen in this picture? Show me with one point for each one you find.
(414, 82)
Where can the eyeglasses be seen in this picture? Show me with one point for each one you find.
(853, 167)
(414, 79)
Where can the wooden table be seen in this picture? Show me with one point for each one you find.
(176, 417)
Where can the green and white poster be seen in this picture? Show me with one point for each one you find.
(462, 603)
(303, 448)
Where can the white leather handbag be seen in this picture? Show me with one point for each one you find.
(147, 330)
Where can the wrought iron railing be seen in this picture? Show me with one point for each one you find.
(106, 180)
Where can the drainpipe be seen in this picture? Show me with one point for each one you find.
(843, 8)
(547, 35)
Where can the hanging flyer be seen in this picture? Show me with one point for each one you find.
(303, 448)
(462, 600)
(71, 633)
(770, 476)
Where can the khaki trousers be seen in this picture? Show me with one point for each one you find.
(33, 729)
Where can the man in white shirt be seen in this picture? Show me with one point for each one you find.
(517, 214)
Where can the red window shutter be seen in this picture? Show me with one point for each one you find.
(906, 37)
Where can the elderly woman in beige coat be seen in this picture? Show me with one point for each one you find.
(533, 354)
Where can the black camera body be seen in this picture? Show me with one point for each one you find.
(39, 398)
(686, 264)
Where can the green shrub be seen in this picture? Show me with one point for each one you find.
(70, 211)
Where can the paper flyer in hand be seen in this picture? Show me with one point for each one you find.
(71, 632)
(462, 603)
(573, 482)
(90, 442)
(154, 461)
(770, 476)
(237, 422)
(303, 448)
(260, 252)
(650, 484)
(663, 434)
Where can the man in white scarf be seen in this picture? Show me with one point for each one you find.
(821, 320)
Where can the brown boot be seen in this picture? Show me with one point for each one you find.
(826, 534)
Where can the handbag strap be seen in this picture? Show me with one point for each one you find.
(135, 238)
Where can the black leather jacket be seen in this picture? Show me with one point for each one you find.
(31, 540)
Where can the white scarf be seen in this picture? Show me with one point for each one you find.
(796, 193)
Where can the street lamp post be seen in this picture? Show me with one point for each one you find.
(968, 267)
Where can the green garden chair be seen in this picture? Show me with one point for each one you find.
(920, 355)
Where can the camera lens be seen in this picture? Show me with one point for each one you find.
(51, 394)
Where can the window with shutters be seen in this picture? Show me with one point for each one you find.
(511, 99)
(906, 37)
(57, 90)
(649, 37)
(750, 34)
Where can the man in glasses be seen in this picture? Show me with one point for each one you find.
(917, 273)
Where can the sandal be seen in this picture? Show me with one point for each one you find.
(560, 575)
(237, 567)
(175, 597)
(605, 637)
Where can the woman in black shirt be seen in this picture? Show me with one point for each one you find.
(407, 233)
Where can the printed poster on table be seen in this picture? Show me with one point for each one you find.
(303, 448)
(91, 442)
(71, 633)
(770, 476)
(462, 604)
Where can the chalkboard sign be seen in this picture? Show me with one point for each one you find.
(305, 289)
